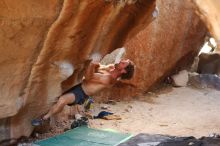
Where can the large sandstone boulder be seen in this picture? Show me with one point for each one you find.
(167, 45)
(209, 11)
(44, 45)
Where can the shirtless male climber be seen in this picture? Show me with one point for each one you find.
(97, 77)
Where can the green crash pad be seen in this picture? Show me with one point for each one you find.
(84, 136)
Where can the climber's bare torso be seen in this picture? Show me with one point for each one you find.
(98, 78)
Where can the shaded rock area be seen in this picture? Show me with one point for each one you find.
(209, 63)
(205, 81)
(44, 45)
(163, 140)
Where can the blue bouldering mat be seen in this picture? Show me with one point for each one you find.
(84, 136)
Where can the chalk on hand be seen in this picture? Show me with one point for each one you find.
(96, 57)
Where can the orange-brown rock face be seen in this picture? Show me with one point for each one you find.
(170, 42)
(44, 45)
(209, 11)
(23, 28)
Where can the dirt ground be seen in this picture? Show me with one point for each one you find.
(184, 111)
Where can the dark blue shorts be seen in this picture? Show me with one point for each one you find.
(80, 95)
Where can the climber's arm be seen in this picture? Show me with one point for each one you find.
(92, 68)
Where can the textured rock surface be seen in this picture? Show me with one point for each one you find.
(209, 11)
(23, 29)
(170, 42)
(44, 45)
